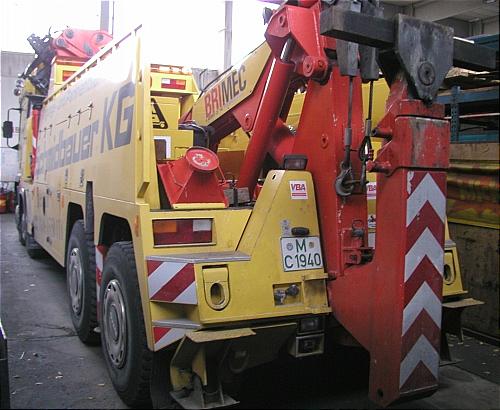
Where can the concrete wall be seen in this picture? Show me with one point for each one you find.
(488, 26)
(462, 28)
(12, 63)
(491, 26)
(390, 10)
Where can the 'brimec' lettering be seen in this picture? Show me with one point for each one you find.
(217, 97)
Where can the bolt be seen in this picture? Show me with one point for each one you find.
(426, 73)
(248, 121)
(324, 141)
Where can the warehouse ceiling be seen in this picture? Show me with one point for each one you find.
(470, 11)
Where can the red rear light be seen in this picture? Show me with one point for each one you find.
(67, 74)
(182, 231)
(176, 84)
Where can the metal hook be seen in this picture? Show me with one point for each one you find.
(343, 183)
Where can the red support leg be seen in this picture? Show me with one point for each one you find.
(265, 122)
(400, 290)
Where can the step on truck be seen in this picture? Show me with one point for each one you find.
(188, 275)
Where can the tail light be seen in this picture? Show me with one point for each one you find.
(182, 231)
(176, 84)
(67, 74)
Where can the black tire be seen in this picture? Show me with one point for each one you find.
(34, 250)
(21, 224)
(81, 284)
(21, 227)
(124, 343)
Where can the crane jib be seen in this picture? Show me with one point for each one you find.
(225, 91)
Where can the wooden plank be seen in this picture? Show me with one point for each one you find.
(475, 151)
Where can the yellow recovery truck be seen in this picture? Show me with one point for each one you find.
(186, 265)
(188, 278)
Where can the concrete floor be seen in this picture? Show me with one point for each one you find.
(50, 368)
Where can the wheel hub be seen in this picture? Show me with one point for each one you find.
(113, 318)
(75, 281)
(115, 323)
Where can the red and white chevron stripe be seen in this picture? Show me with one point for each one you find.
(164, 336)
(172, 282)
(424, 262)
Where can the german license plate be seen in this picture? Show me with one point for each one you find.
(301, 253)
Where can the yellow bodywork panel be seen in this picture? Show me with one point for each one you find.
(171, 143)
(252, 284)
(27, 150)
(228, 227)
(166, 112)
(245, 289)
(452, 277)
(236, 141)
(60, 73)
(231, 152)
(87, 132)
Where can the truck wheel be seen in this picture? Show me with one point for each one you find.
(81, 284)
(34, 250)
(124, 345)
(21, 225)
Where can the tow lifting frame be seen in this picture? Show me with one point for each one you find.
(415, 57)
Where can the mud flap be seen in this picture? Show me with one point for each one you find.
(202, 358)
(192, 354)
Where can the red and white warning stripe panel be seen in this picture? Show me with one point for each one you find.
(165, 336)
(172, 278)
(172, 282)
(166, 332)
(424, 262)
(423, 189)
